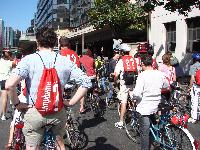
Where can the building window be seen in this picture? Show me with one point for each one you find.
(193, 38)
(170, 36)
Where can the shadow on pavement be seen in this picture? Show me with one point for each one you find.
(88, 123)
(100, 145)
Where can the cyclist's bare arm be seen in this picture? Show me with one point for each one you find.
(10, 86)
(81, 92)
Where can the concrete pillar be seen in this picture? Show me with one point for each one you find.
(181, 38)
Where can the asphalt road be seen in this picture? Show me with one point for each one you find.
(101, 133)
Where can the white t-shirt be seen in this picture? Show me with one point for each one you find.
(119, 69)
(148, 87)
(6, 67)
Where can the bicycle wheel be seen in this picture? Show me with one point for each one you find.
(76, 138)
(96, 106)
(132, 125)
(111, 103)
(177, 138)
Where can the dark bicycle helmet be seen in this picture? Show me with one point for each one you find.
(196, 56)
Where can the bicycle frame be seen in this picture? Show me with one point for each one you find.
(158, 137)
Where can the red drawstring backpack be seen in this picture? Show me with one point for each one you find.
(49, 97)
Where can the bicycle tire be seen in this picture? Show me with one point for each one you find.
(111, 104)
(76, 138)
(96, 107)
(180, 137)
(132, 125)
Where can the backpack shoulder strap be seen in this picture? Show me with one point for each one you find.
(41, 60)
(55, 60)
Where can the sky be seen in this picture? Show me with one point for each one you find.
(17, 13)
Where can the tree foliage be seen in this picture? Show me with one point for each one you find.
(181, 6)
(119, 15)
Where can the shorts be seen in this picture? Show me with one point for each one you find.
(34, 121)
(2, 84)
(123, 92)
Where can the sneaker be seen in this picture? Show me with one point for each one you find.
(192, 120)
(3, 117)
(119, 125)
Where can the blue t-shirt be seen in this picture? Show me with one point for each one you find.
(31, 69)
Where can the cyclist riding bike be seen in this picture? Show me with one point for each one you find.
(126, 68)
(44, 98)
(112, 63)
(194, 86)
(148, 89)
(88, 66)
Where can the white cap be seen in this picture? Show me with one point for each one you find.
(125, 47)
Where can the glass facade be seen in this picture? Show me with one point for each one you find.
(53, 13)
(8, 37)
(78, 12)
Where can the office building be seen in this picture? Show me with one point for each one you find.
(53, 14)
(16, 37)
(8, 37)
(170, 31)
(78, 12)
(1, 34)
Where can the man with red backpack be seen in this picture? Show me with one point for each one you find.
(126, 68)
(46, 74)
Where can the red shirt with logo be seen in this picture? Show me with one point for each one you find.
(72, 55)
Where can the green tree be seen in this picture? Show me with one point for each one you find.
(181, 6)
(118, 15)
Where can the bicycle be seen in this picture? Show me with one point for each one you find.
(162, 131)
(49, 139)
(130, 105)
(76, 139)
(180, 96)
(94, 100)
(18, 142)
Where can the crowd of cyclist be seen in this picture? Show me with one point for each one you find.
(138, 76)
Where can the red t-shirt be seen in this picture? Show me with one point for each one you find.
(72, 55)
(88, 64)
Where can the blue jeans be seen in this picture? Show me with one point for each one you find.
(102, 83)
(110, 93)
(145, 130)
